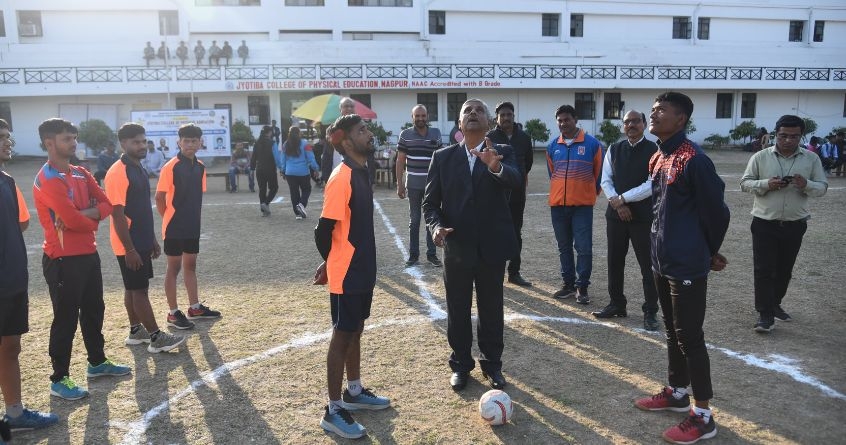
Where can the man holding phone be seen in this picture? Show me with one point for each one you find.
(780, 178)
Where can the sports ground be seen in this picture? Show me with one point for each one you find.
(257, 375)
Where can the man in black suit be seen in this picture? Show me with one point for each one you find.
(466, 209)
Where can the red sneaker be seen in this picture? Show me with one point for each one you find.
(691, 430)
(664, 401)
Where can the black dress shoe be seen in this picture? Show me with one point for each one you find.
(519, 280)
(459, 380)
(610, 311)
(496, 378)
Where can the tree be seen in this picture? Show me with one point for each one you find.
(717, 140)
(836, 130)
(744, 130)
(810, 126)
(95, 134)
(241, 133)
(690, 128)
(609, 132)
(537, 130)
(378, 132)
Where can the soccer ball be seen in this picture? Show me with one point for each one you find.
(495, 407)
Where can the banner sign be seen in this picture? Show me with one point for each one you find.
(162, 127)
(360, 84)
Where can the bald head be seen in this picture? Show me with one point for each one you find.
(420, 117)
(347, 106)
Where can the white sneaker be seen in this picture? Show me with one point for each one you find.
(265, 209)
(141, 336)
(302, 210)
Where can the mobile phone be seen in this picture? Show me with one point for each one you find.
(787, 179)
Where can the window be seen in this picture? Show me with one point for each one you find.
(168, 23)
(304, 3)
(437, 22)
(184, 103)
(363, 98)
(703, 31)
(227, 2)
(2, 25)
(379, 2)
(577, 25)
(747, 105)
(797, 27)
(549, 25)
(584, 106)
(724, 104)
(681, 27)
(819, 26)
(430, 101)
(454, 103)
(29, 24)
(6, 113)
(258, 107)
(613, 106)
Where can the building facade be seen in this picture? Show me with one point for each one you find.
(741, 60)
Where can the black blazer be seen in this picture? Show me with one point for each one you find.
(476, 207)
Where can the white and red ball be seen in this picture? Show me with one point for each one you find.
(495, 407)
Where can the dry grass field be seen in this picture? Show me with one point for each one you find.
(257, 375)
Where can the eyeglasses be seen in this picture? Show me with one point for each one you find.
(785, 137)
(632, 121)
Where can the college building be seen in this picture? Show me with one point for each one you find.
(740, 60)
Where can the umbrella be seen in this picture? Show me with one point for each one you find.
(325, 109)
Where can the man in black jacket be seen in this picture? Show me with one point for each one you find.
(509, 133)
(467, 212)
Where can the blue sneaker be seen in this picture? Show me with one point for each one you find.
(67, 389)
(365, 400)
(108, 368)
(342, 424)
(31, 420)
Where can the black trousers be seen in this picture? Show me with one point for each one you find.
(683, 307)
(517, 205)
(76, 291)
(459, 281)
(775, 245)
(300, 187)
(268, 185)
(619, 233)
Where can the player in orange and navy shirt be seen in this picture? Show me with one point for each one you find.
(134, 239)
(14, 297)
(345, 239)
(70, 206)
(179, 200)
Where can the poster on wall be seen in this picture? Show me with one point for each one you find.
(162, 127)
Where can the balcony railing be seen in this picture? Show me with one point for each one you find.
(798, 75)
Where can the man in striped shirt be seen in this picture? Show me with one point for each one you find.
(415, 148)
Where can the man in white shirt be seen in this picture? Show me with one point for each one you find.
(154, 161)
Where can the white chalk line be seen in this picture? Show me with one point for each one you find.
(136, 429)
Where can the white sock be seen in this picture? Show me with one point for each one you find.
(704, 412)
(195, 306)
(15, 411)
(334, 406)
(174, 311)
(354, 387)
(679, 393)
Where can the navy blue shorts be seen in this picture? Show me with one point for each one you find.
(14, 315)
(178, 246)
(136, 279)
(349, 310)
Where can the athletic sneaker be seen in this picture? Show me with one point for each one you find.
(5, 432)
(108, 367)
(765, 324)
(691, 430)
(202, 312)
(302, 210)
(566, 291)
(664, 400)
(582, 296)
(179, 321)
(265, 209)
(298, 216)
(365, 400)
(31, 420)
(164, 342)
(67, 389)
(140, 336)
(342, 424)
(779, 314)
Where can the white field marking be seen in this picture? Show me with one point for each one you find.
(435, 310)
(778, 363)
(277, 200)
(136, 429)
